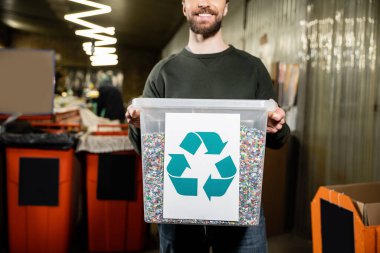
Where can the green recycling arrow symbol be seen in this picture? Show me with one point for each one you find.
(218, 187)
(178, 164)
(211, 140)
(176, 167)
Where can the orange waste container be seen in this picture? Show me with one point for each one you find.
(39, 188)
(2, 195)
(115, 223)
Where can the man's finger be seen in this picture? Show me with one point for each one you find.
(271, 123)
(132, 112)
(271, 130)
(275, 116)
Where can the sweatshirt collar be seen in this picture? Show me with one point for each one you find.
(186, 52)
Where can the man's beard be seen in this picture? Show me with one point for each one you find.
(206, 31)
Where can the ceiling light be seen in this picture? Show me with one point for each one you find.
(103, 40)
(100, 36)
(100, 50)
(104, 59)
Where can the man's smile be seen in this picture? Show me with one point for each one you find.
(204, 16)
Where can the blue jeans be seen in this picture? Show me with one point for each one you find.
(222, 239)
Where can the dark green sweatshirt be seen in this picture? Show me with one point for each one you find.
(231, 74)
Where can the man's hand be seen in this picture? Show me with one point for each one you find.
(133, 116)
(276, 120)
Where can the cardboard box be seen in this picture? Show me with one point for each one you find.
(346, 218)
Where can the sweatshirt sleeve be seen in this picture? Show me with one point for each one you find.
(154, 87)
(265, 91)
(134, 135)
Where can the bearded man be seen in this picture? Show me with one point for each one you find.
(209, 68)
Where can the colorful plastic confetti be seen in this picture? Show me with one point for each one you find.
(252, 149)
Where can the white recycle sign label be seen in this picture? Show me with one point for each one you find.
(201, 177)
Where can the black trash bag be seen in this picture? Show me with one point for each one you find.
(61, 141)
(21, 127)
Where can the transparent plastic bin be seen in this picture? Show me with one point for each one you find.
(248, 175)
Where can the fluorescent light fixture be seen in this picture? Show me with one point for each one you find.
(100, 50)
(103, 40)
(104, 59)
(75, 17)
(101, 56)
(106, 30)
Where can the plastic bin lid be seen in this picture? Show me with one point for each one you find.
(265, 105)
